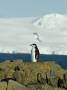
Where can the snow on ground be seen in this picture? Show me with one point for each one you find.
(49, 32)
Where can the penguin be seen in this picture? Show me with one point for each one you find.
(35, 53)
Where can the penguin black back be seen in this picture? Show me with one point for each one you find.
(37, 52)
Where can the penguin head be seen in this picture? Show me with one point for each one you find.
(33, 45)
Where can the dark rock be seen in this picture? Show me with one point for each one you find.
(65, 80)
(16, 68)
(11, 61)
(60, 83)
(40, 79)
(7, 80)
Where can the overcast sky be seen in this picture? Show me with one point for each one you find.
(23, 8)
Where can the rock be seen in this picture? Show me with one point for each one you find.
(12, 85)
(48, 87)
(16, 68)
(20, 76)
(60, 83)
(34, 87)
(32, 76)
(52, 78)
(3, 85)
(65, 80)
(40, 79)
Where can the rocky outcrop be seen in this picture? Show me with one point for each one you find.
(3, 86)
(12, 85)
(18, 75)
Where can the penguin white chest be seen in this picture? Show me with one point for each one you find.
(33, 54)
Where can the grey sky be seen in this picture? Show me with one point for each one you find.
(20, 8)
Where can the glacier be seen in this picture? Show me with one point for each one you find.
(49, 32)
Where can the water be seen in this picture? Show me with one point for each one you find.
(60, 59)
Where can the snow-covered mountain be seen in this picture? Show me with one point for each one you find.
(51, 21)
(49, 32)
